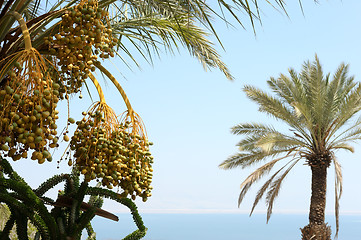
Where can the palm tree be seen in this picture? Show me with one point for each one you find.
(319, 112)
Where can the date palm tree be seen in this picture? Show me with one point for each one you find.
(320, 113)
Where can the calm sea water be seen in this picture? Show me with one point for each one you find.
(221, 227)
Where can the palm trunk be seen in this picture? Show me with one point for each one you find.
(317, 229)
(318, 195)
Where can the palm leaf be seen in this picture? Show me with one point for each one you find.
(255, 176)
(271, 105)
(278, 141)
(6, 22)
(246, 159)
(265, 186)
(249, 143)
(351, 133)
(251, 128)
(275, 188)
(344, 146)
(350, 106)
(338, 191)
(171, 30)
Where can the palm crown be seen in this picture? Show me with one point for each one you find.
(317, 109)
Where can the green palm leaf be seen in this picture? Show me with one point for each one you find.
(251, 128)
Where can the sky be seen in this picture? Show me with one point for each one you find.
(188, 112)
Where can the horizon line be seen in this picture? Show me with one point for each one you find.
(231, 211)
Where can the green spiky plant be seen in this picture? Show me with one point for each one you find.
(320, 111)
(4, 217)
(64, 220)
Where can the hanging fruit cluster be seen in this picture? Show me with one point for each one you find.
(82, 37)
(136, 171)
(28, 98)
(105, 150)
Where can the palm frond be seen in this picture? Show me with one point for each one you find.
(194, 11)
(278, 141)
(338, 191)
(351, 133)
(6, 21)
(265, 138)
(350, 105)
(344, 146)
(336, 90)
(282, 87)
(292, 92)
(249, 143)
(265, 186)
(242, 159)
(246, 159)
(313, 104)
(255, 176)
(251, 128)
(275, 188)
(270, 105)
(153, 30)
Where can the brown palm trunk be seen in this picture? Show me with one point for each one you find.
(318, 195)
(317, 229)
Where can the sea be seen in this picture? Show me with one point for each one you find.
(210, 226)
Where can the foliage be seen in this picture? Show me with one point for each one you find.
(48, 53)
(4, 217)
(69, 215)
(319, 111)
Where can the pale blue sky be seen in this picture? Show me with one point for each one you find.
(188, 112)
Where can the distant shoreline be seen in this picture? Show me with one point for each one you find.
(242, 212)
